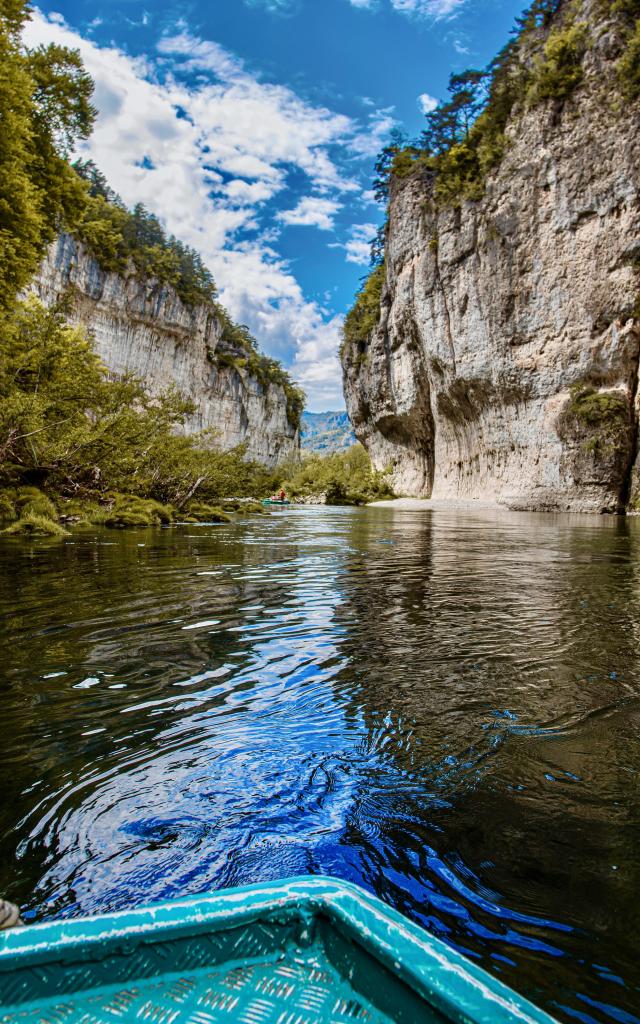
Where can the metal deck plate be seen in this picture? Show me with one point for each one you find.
(304, 990)
(306, 951)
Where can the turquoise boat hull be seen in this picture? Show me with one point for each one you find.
(269, 501)
(304, 951)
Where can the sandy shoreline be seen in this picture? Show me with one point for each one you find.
(439, 504)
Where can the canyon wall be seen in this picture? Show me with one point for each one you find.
(504, 365)
(142, 327)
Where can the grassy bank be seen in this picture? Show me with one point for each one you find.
(28, 511)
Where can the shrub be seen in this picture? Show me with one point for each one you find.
(365, 312)
(7, 506)
(597, 408)
(131, 510)
(122, 517)
(344, 478)
(30, 499)
(409, 160)
(629, 65)
(600, 419)
(559, 70)
(254, 508)
(459, 174)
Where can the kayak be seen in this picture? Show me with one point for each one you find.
(305, 950)
(275, 501)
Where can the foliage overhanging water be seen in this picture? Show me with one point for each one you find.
(442, 707)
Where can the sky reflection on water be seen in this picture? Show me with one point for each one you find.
(442, 707)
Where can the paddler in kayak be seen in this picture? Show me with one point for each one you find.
(282, 496)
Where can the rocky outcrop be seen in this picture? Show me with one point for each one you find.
(141, 327)
(505, 362)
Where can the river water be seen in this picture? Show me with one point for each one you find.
(440, 706)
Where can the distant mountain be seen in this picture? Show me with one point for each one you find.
(326, 432)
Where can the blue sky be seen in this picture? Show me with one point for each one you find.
(250, 127)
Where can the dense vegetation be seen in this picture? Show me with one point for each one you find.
(44, 109)
(265, 369)
(71, 431)
(74, 443)
(120, 237)
(342, 478)
(365, 312)
(628, 11)
(464, 137)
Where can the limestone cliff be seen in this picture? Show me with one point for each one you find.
(142, 327)
(504, 364)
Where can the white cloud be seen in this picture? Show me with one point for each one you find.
(427, 103)
(313, 211)
(369, 142)
(358, 246)
(273, 6)
(461, 47)
(427, 8)
(433, 9)
(206, 145)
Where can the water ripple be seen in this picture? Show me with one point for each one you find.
(441, 707)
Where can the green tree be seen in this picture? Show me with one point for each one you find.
(365, 312)
(345, 478)
(44, 108)
(384, 163)
(450, 123)
(66, 426)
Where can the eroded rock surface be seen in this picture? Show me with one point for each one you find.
(144, 328)
(505, 362)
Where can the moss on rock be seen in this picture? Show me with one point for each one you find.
(200, 512)
(33, 523)
(130, 510)
(604, 411)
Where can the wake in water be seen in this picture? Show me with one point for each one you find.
(440, 707)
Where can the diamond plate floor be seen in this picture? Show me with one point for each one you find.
(289, 991)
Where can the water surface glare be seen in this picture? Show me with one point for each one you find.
(440, 706)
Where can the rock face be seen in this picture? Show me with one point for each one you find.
(144, 328)
(505, 362)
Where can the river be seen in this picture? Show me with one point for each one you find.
(440, 706)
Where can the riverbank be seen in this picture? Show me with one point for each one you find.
(439, 504)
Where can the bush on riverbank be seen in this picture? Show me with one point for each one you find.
(343, 478)
(68, 428)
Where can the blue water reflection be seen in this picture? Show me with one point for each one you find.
(442, 707)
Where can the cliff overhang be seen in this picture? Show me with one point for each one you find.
(504, 361)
